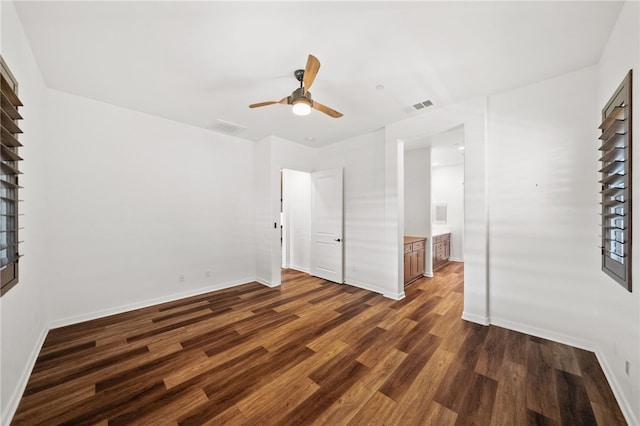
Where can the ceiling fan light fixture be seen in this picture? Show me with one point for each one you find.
(301, 107)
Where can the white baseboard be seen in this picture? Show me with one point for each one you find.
(428, 274)
(146, 303)
(394, 296)
(543, 333)
(456, 259)
(14, 399)
(365, 286)
(625, 407)
(299, 269)
(267, 283)
(478, 319)
(376, 289)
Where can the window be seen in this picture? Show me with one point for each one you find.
(9, 186)
(616, 185)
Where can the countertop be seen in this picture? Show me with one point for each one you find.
(437, 234)
(409, 240)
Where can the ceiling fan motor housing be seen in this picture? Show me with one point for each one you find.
(300, 94)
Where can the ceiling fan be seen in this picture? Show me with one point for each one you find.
(301, 97)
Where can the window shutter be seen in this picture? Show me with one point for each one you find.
(616, 184)
(9, 185)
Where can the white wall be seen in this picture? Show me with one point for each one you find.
(297, 219)
(263, 231)
(417, 199)
(618, 319)
(139, 201)
(542, 141)
(447, 186)
(362, 158)
(23, 309)
(417, 192)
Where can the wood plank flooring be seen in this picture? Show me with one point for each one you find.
(312, 352)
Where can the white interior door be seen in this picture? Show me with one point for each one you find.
(326, 225)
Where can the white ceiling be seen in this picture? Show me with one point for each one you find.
(197, 62)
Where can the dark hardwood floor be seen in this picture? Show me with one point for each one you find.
(312, 352)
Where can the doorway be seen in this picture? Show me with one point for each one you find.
(295, 219)
(311, 223)
(433, 170)
(472, 115)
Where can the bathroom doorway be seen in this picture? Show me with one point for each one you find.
(434, 197)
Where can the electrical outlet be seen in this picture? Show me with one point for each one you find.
(627, 367)
(181, 278)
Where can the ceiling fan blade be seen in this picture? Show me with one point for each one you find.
(331, 112)
(310, 71)
(261, 104)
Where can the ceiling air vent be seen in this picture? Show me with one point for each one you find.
(228, 127)
(423, 104)
(417, 107)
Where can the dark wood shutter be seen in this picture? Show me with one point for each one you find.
(9, 185)
(616, 184)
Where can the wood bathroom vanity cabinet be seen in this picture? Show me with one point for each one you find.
(441, 250)
(413, 258)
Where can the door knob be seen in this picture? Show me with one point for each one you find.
(337, 239)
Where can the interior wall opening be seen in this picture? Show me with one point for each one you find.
(295, 219)
(432, 170)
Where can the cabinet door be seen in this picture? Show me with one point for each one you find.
(407, 267)
(420, 262)
(414, 264)
(434, 254)
(437, 248)
(446, 249)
